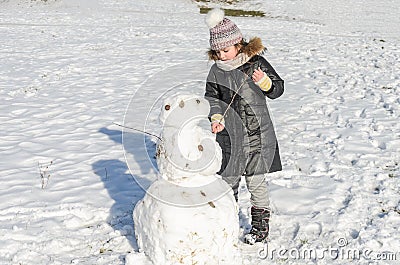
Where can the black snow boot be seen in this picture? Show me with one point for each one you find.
(259, 226)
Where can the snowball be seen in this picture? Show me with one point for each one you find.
(201, 234)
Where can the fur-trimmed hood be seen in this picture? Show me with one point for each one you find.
(251, 48)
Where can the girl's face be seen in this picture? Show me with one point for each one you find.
(227, 53)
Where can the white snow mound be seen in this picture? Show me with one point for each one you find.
(189, 215)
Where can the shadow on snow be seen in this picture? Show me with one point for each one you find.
(124, 188)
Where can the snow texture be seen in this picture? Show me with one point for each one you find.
(70, 177)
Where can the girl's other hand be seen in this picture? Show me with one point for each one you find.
(257, 75)
(216, 127)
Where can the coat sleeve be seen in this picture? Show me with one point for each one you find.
(277, 87)
(213, 95)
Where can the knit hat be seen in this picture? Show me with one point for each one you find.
(223, 32)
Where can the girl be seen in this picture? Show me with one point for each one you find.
(236, 87)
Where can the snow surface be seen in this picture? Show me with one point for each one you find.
(70, 69)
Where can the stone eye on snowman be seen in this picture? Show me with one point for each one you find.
(189, 215)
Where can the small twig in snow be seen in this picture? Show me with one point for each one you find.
(43, 172)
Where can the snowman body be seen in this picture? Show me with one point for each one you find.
(189, 215)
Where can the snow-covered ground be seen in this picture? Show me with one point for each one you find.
(69, 70)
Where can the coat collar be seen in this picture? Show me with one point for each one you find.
(254, 47)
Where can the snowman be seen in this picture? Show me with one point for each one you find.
(189, 214)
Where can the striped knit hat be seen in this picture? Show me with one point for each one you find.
(223, 32)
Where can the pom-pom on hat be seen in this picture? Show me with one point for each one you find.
(223, 32)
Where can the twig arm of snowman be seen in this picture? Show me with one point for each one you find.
(134, 129)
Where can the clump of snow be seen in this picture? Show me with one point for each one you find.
(189, 215)
(187, 149)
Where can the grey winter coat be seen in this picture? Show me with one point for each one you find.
(248, 125)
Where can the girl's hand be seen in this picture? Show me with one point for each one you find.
(257, 75)
(216, 127)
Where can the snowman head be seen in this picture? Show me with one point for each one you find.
(188, 148)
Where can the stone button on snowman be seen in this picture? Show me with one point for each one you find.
(189, 215)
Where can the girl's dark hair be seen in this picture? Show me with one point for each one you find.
(212, 54)
(243, 43)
